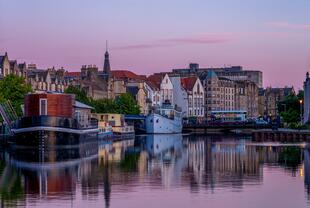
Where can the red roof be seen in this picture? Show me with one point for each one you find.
(125, 74)
(155, 80)
(73, 74)
(188, 82)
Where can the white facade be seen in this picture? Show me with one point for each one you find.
(166, 90)
(153, 95)
(196, 100)
(180, 96)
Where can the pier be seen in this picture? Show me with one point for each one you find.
(281, 135)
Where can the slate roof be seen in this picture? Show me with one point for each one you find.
(78, 104)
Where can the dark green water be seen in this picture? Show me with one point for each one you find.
(159, 171)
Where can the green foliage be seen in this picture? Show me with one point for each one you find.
(14, 88)
(80, 95)
(105, 106)
(297, 126)
(289, 108)
(290, 156)
(124, 104)
(130, 162)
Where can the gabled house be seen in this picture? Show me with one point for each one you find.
(195, 96)
(4, 65)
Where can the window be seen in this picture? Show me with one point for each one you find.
(43, 106)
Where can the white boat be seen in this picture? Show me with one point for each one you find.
(105, 131)
(165, 120)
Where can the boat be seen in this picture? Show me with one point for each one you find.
(105, 130)
(120, 128)
(52, 119)
(164, 120)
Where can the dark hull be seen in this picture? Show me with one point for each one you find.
(45, 138)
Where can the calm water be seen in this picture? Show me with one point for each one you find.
(159, 171)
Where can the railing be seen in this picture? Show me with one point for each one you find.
(123, 129)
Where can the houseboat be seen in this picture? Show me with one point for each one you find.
(119, 127)
(105, 129)
(164, 120)
(54, 119)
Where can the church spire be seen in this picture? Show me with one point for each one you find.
(106, 66)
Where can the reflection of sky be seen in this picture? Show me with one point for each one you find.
(151, 36)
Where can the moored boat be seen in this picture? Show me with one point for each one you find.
(54, 119)
(119, 127)
(164, 120)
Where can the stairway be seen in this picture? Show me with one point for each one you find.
(8, 114)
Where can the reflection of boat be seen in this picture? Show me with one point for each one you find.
(54, 119)
(159, 143)
(53, 172)
(165, 120)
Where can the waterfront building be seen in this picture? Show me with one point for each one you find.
(219, 93)
(234, 73)
(269, 99)
(138, 92)
(180, 95)
(246, 98)
(306, 111)
(152, 86)
(195, 97)
(166, 90)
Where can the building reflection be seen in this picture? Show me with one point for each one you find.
(95, 171)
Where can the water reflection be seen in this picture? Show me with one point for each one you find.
(148, 168)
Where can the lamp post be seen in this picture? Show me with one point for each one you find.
(300, 102)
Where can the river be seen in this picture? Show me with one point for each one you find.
(158, 171)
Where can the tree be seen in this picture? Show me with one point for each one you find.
(105, 106)
(14, 88)
(80, 95)
(289, 108)
(126, 104)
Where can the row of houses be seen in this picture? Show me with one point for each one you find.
(197, 91)
(40, 79)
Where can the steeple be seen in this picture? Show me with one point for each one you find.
(106, 66)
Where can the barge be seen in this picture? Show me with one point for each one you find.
(54, 119)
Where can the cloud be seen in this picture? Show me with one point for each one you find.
(142, 46)
(170, 42)
(287, 25)
(202, 39)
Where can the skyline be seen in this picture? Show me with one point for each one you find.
(159, 36)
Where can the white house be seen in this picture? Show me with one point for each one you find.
(166, 90)
(196, 96)
(180, 97)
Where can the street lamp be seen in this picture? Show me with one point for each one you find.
(300, 102)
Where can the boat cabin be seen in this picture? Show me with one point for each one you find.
(57, 106)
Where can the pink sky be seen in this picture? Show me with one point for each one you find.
(159, 36)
